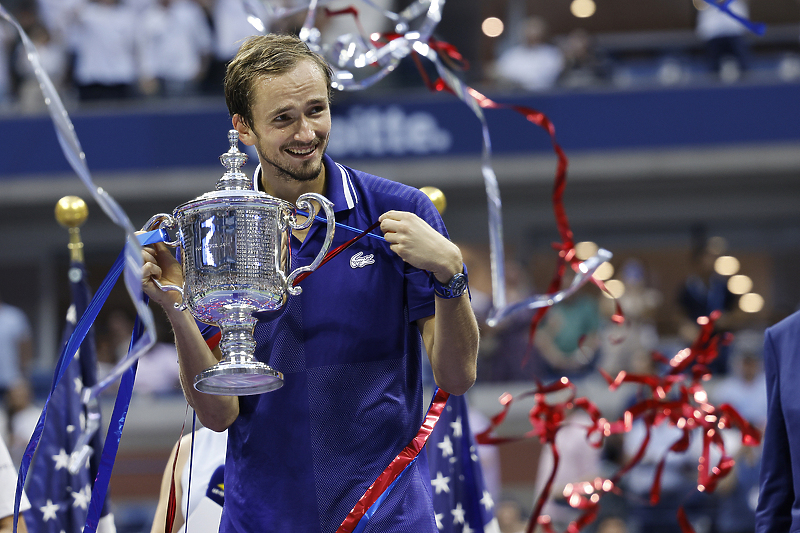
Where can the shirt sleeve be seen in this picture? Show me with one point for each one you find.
(419, 287)
(774, 511)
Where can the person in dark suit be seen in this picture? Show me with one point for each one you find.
(779, 500)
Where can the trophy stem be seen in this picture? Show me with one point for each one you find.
(238, 373)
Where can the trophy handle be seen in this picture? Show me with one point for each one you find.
(166, 220)
(303, 202)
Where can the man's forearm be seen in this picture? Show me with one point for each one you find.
(215, 412)
(455, 349)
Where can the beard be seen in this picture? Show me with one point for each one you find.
(307, 171)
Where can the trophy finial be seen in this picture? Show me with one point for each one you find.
(233, 160)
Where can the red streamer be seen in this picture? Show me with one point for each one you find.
(677, 397)
(397, 465)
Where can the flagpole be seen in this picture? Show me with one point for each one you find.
(71, 212)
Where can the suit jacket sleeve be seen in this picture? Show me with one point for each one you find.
(774, 512)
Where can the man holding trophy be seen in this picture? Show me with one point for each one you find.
(347, 349)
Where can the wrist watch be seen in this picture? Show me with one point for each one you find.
(454, 288)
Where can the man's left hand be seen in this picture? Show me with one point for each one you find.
(421, 246)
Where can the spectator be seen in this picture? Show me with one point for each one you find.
(53, 58)
(579, 461)
(6, 43)
(583, 66)
(510, 515)
(724, 38)
(745, 388)
(533, 65)
(568, 338)
(637, 336)
(57, 14)
(738, 492)
(16, 346)
(23, 415)
(207, 495)
(157, 371)
(8, 485)
(175, 48)
(703, 292)
(230, 28)
(103, 35)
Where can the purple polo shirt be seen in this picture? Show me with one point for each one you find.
(351, 355)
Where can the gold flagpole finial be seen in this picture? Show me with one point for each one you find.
(71, 212)
(437, 197)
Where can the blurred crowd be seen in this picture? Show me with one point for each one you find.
(578, 339)
(121, 49)
(125, 49)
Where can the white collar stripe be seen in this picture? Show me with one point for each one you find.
(347, 187)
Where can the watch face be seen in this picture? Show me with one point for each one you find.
(458, 284)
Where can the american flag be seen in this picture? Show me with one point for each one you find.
(60, 500)
(460, 499)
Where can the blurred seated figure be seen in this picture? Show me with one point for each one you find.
(229, 28)
(703, 292)
(738, 493)
(724, 38)
(534, 64)
(745, 386)
(8, 487)
(637, 335)
(23, 415)
(176, 48)
(678, 478)
(157, 372)
(103, 36)
(53, 58)
(583, 65)
(510, 515)
(578, 461)
(206, 495)
(568, 337)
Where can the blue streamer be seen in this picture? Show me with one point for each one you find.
(111, 445)
(374, 507)
(66, 357)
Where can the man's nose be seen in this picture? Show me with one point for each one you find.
(305, 130)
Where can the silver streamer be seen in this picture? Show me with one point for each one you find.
(132, 274)
(349, 53)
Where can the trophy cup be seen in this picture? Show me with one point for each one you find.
(235, 254)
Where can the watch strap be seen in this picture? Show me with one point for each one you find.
(455, 287)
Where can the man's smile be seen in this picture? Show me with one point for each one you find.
(301, 151)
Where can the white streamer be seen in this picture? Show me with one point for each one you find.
(133, 251)
(354, 52)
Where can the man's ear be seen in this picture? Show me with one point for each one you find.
(245, 134)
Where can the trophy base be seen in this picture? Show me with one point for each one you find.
(238, 379)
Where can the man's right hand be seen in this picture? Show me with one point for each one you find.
(160, 264)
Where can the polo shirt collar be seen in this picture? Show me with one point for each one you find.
(340, 188)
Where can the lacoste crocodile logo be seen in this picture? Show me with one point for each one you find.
(360, 260)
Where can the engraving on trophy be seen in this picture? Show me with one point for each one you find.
(236, 261)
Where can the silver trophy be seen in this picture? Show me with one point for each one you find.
(235, 253)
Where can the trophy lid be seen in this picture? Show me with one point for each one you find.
(233, 160)
(234, 187)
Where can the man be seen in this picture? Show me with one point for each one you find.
(779, 498)
(8, 487)
(300, 457)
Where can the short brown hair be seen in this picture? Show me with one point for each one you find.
(260, 55)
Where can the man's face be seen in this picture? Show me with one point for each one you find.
(291, 124)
